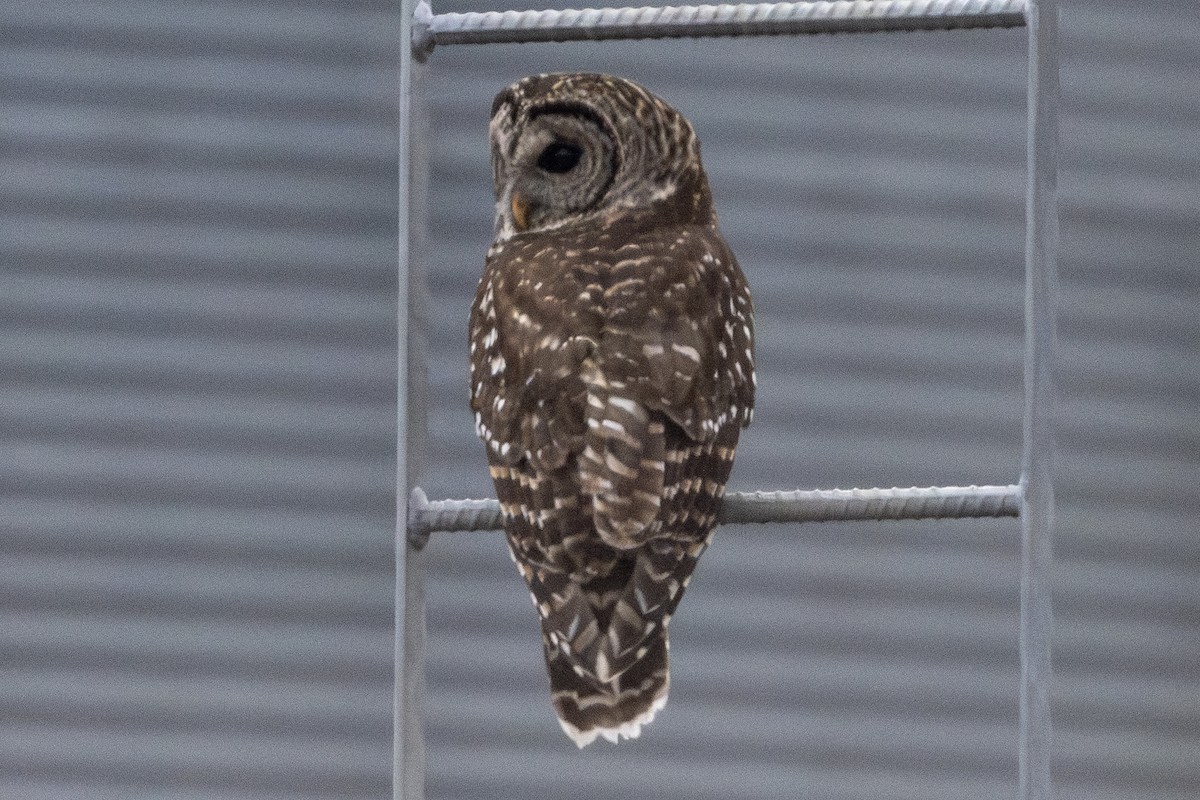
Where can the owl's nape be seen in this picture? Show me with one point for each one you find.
(612, 370)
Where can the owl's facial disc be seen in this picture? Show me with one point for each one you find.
(562, 165)
(560, 157)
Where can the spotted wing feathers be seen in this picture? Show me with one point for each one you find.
(610, 395)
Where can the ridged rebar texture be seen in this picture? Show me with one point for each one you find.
(745, 19)
(816, 505)
(1037, 461)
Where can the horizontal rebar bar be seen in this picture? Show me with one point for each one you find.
(744, 19)
(817, 505)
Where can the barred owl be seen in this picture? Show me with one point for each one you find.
(612, 369)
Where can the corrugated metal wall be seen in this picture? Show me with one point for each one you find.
(197, 246)
(197, 313)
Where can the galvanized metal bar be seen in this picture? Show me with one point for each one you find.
(745, 19)
(1037, 509)
(408, 742)
(817, 505)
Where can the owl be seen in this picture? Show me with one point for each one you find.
(612, 370)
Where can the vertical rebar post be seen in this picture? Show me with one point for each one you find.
(408, 765)
(1037, 512)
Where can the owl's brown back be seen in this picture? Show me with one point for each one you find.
(611, 372)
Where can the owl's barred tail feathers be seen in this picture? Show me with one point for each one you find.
(588, 709)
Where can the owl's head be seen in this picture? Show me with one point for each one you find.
(591, 150)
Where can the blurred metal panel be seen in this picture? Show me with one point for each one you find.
(197, 399)
(197, 408)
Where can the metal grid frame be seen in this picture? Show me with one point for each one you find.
(1032, 499)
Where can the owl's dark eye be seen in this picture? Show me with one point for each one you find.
(560, 157)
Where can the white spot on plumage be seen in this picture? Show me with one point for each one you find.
(625, 404)
(686, 351)
(613, 425)
(640, 596)
(602, 668)
(614, 464)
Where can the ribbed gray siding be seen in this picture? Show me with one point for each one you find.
(197, 306)
(197, 313)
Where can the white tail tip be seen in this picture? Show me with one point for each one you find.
(627, 730)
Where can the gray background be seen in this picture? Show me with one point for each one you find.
(197, 305)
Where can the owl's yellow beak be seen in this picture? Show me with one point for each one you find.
(520, 211)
